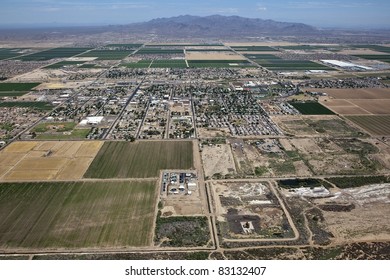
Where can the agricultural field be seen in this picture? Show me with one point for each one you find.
(219, 63)
(378, 48)
(297, 65)
(384, 58)
(375, 125)
(311, 108)
(159, 51)
(17, 87)
(359, 93)
(53, 53)
(124, 46)
(6, 53)
(253, 48)
(173, 63)
(140, 159)
(37, 105)
(64, 64)
(77, 214)
(52, 160)
(107, 54)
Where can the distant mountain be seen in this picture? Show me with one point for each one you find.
(220, 26)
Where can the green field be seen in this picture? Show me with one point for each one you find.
(380, 57)
(107, 54)
(219, 63)
(374, 48)
(358, 181)
(311, 108)
(159, 51)
(39, 105)
(124, 46)
(262, 56)
(8, 87)
(53, 53)
(281, 64)
(375, 125)
(253, 49)
(140, 159)
(168, 63)
(60, 131)
(9, 53)
(64, 64)
(76, 214)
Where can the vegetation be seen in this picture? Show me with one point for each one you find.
(9, 53)
(57, 127)
(306, 183)
(19, 87)
(53, 53)
(140, 159)
(311, 108)
(281, 64)
(254, 48)
(219, 63)
(107, 54)
(182, 231)
(64, 64)
(75, 134)
(358, 181)
(38, 105)
(76, 214)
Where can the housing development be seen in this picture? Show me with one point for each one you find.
(194, 149)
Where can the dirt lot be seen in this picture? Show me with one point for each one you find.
(47, 160)
(255, 203)
(368, 221)
(375, 107)
(218, 159)
(213, 132)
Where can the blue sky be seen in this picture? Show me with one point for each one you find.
(347, 13)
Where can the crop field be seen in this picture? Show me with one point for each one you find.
(8, 87)
(37, 105)
(183, 45)
(107, 54)
(77, 214)
(253, 49)
(209, 50)
(124, 46)
(375, 125)
(9, 53)
(384, 58)
(311, 108)
(311, 47)
(140, 159)
(53, 53)
(47, 160)
(280, 64)
(159, 51)
(219, 63)
(374, 48)
(367, 93)
(172, 63)
(262, 56)
(63, 64)
(138, 64)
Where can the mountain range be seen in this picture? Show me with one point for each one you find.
(220, 26)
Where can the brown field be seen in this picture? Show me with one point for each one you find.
(375, 107)
(368, 93)
(47, 160)
(375, 125)
(349, 110)
(213, 56)
(359, 52)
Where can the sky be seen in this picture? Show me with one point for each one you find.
(347, 13)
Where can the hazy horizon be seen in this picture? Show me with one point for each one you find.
(321, 14)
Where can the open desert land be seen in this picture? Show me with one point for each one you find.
(319, 126)
(77, 214)
(47, 160)
(217, 159)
